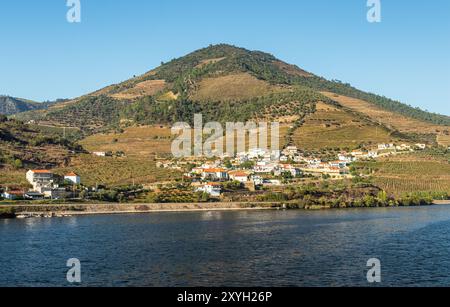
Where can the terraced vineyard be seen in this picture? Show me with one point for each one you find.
(136, 141)
(399, 177)
(330, 127)
(13, 178)
(117, 171)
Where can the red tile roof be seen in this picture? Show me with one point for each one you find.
(239, 174)
(15, 192)
(72, 175)
(214, 170)
(41, 172)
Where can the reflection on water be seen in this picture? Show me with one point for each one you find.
(239, 248)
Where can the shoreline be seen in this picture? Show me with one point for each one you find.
(65, 210)
(112, 209)
(441, 202)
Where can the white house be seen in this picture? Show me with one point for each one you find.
(403, 147)
(287, 168)
(421, 146)
(239, 176)
(215, 174)
(264, 167)
(345, 158)
(385, 146)
(39, 178)
(258, 180)
(338, 164)
(73, 178)
(212, 188)
(272, 182)
(256, 153)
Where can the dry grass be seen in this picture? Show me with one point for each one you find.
(330, 127)
(233, 87)
(113, 171)
(444, 140)
(136, 141)
(145, 88)
(389, 119)
(209, 61)
(291, 69)
(168, 96)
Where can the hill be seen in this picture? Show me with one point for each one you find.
(10, 105)
(227, 83)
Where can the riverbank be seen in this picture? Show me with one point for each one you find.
(62, 210)
(12, 211)
(441, 202)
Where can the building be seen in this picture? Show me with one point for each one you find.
(214, 174)
(338, 164)
(13, 195)
(257, 180)
(345, 158)
(421, 146)
(239, 176)
(73, 178)
(272, 182)
(385, 146)
(264, 167)
(99, 153)
(212, 188)
(34, 196)
(287, 168)
(57, 193)
(256, 153)
(39, 178)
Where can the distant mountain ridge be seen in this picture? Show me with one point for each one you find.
(11, 105)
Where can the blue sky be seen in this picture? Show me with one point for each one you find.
(405, 57)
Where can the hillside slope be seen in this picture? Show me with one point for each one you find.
(25, 146)
(227, 83)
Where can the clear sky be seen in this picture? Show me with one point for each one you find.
(405, 57)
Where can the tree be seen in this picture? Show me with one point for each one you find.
(18, 163)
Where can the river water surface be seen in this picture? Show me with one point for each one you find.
(239, 248)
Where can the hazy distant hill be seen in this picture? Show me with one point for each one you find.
(11, 105)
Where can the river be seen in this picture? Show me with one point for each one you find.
(233, 248)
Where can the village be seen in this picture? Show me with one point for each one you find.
(254, 170)
(259, 168)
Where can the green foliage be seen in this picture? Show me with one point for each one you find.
(89, 113)
(148, 110)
